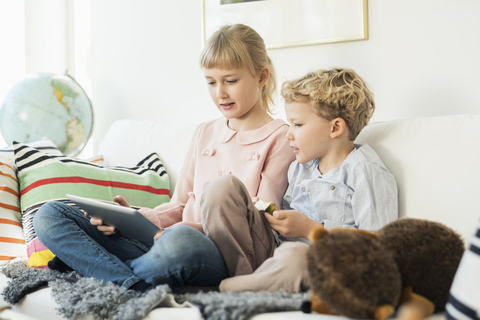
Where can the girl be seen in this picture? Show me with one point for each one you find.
(246, 143)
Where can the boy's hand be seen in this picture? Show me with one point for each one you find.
(291, 223)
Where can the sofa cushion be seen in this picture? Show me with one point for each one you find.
(44, 145)
(42, 178)
(127, 139)
(436, 163)
(12, 241)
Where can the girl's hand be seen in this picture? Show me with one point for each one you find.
(106, 229)
(121, 201)
(291, 223)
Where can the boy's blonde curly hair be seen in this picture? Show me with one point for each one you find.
(334, 93)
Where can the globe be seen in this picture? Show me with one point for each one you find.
(46, 105)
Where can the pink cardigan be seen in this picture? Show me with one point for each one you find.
(259, 158)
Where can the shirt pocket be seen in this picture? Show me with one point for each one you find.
(332, 202)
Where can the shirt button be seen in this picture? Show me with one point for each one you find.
(332, 187)
(303, 189)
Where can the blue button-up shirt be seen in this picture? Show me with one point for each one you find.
(361, 193)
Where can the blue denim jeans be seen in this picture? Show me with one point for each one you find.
(182, 255)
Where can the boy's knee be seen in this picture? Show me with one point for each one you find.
(224, 198)
(221, 185)
(219, 189)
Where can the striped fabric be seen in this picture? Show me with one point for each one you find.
(45, 145)
(43, 177)
(464, 300)
(12, 242)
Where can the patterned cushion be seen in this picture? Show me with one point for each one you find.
(12, 242)
(44, 177)
(45, 145)
(464, 300)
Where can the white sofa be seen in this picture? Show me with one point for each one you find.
(435, 160)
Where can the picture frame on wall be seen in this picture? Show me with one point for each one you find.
(290, 23)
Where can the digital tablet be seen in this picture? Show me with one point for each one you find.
(128, 221)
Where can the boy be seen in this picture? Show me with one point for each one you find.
(333, 182)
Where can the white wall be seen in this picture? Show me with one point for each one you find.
(422, 59)
(144, 62)
(12, 66)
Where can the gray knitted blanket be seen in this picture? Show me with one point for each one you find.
(77, 296)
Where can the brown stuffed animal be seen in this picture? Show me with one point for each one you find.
(409, 263)
(427, 254)
(352, 274)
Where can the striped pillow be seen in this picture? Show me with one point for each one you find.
(45, 145)
(12, 241)
(43, 177)
(464, 299)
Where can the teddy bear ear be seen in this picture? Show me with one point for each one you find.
(384, 311)
(317, 233)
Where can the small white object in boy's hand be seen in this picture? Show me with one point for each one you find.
(263, 206)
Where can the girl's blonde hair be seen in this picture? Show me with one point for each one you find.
(238, 46)
(334, 93)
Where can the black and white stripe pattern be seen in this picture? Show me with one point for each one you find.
(27, 158)
(464, 300)
(46, 146)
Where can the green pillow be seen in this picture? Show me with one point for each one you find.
(43, 177)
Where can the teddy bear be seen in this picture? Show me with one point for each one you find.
(352, 274)
(406, 267)
(427, 254)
